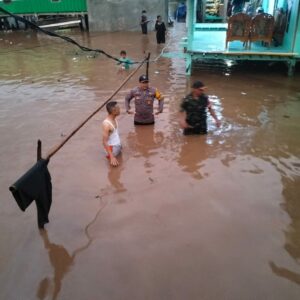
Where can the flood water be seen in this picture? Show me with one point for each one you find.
(182, 217)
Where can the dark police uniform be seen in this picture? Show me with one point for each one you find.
(196, 114)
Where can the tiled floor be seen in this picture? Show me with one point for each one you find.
(214, 40)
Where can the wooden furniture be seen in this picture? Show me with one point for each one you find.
(262, 27)
(238, 29)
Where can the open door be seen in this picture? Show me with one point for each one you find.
(211, 11)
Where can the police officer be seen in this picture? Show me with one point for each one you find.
(193, 111)
(144, 97)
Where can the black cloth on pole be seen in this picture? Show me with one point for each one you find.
(36, 185)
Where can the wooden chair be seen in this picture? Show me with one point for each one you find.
(262, 27)
(238, 29)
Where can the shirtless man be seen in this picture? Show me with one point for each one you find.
(110, 134)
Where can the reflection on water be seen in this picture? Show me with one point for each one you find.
(291, 195)
(114, 176)
(145, 44)
(192, 155)
(145, 142)
(292, 244)
(285, 273)
(61, 261)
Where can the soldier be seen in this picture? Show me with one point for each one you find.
(193, 115)
(144, 101)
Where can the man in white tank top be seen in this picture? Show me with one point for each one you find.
(110, 134)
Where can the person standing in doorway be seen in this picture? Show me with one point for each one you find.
(110, 134)
(144, 22)
(193, 111)
(144, 97)
(160, 31)
(181, 12)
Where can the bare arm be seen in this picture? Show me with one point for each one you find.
(182, 120)
(106, 131)
(213, 114)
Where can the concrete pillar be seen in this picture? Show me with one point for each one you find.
(124, 15)
(190, 21)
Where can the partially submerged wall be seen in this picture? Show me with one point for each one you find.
(123, 15)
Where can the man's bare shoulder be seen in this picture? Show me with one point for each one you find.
(106, 124)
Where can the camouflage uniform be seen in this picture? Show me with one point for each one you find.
(196, 113)
(144, 100)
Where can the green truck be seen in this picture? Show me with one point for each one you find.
(47, 13)
(49, 7)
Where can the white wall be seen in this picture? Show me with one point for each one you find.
(123, 15)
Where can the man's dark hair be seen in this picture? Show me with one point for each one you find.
(198, 85)
(123, 52)
(143, 12)
(110, 106)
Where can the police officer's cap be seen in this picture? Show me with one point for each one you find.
(198, 85)
(143, 78)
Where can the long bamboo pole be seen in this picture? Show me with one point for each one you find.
(147, 66)
(61, 144)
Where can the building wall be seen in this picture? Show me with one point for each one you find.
(297, 36)
(290, 36)
(123, 15)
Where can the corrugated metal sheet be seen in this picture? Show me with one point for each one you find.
(44, 6)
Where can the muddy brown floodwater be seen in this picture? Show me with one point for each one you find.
(197, 217)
